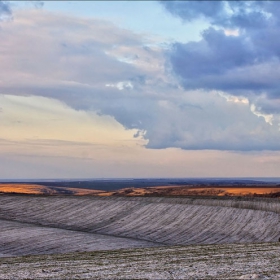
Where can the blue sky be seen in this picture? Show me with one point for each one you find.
(100, 89)
(150, 18)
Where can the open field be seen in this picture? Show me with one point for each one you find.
(228, 261)
(230, 191)
(227, 237)
(172, 189)
(168, 221)
(19, 238)
(257, 190)
(44, 190)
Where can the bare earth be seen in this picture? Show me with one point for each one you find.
(230, 261)
(125, 237)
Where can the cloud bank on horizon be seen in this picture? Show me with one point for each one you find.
(219, 93)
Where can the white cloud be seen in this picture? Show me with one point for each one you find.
(267, 117)
(232, 98)
(232, 32)
(121, 85)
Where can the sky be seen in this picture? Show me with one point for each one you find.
(139, 89)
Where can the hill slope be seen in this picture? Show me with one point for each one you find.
(160, 221)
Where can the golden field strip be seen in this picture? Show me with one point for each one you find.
(40, 189)
(148, 191)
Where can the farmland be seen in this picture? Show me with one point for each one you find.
(228, 261)
(138, 237)
(148, 187)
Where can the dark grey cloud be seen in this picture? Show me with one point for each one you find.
(219, 62)
(190, 10)
(223, 13)
(215, 54)
(244, 64)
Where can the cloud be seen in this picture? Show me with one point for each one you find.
(5, 9)
(239, 53)
(191, 10)
(229, 63)
(223, 13)
(211, 122)
(95, 66)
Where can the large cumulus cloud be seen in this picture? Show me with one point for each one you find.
(93, 65)
(239, 53)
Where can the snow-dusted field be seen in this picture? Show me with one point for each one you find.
(163, 222)
(251, 261)
(25, 239)
(34, 225)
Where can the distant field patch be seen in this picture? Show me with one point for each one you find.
(233, 191)
(41, 189)
(199, 191)
(25, 189)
